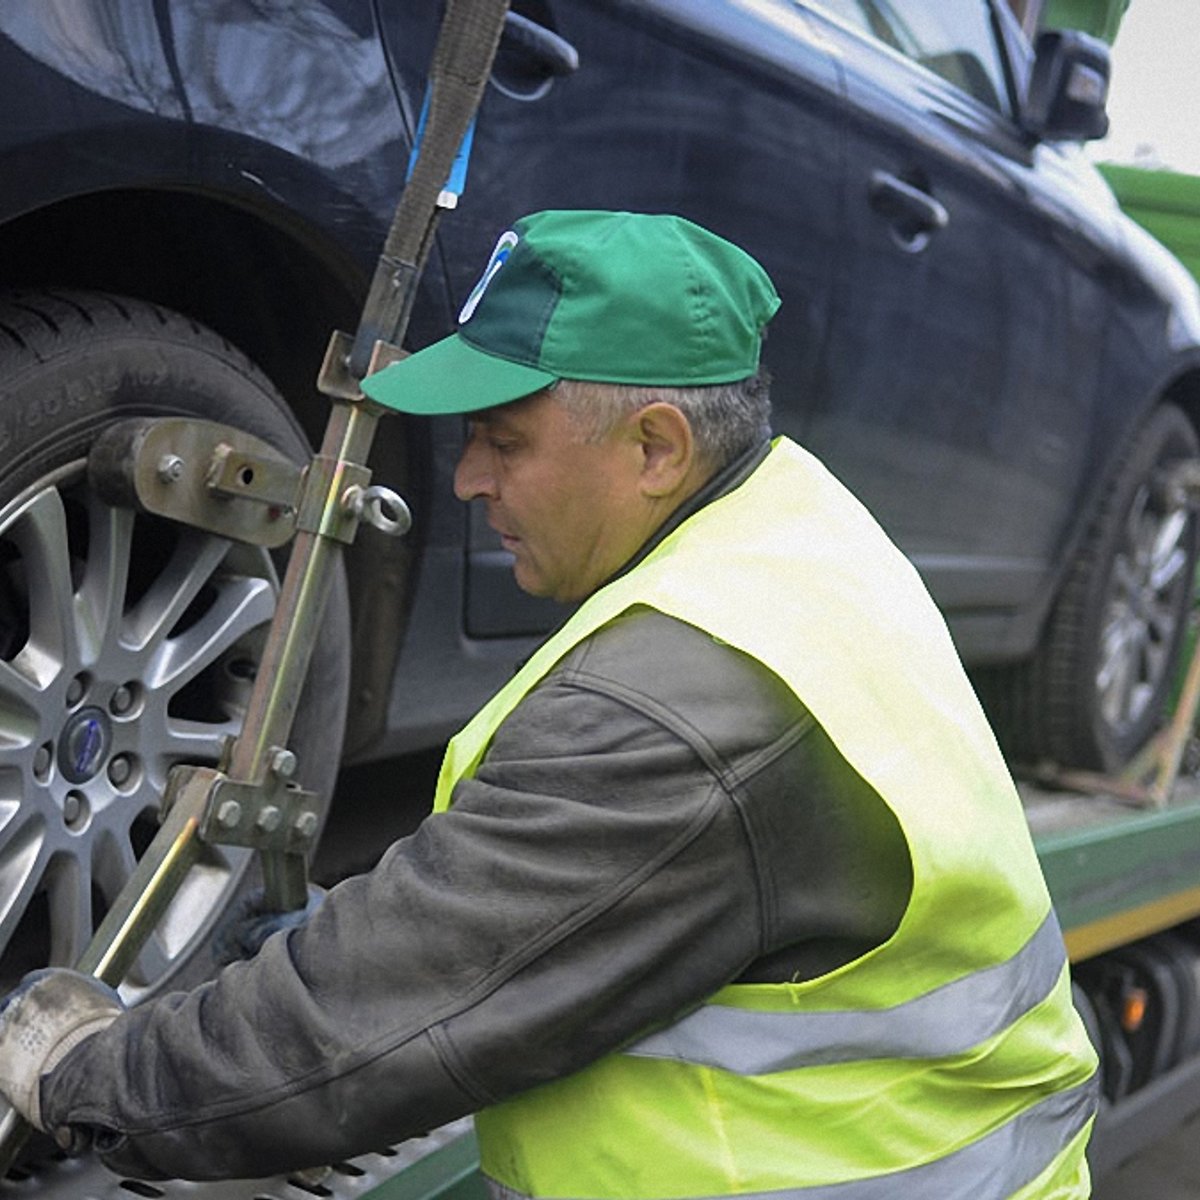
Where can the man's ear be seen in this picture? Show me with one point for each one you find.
(668, 449)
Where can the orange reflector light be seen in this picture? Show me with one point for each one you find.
(1133, 1009)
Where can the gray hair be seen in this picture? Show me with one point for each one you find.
(726, 418)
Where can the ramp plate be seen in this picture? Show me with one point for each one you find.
(87, 1179)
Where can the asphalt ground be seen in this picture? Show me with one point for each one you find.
(1166, 1170)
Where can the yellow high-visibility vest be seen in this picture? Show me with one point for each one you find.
(947, 1062)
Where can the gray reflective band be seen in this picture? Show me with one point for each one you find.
(946, 1021)
(995, 1166)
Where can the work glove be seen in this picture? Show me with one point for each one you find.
(240, 934)
(49, 1013)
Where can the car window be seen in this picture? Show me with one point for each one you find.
(952, 38)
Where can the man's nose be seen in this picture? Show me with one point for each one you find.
(472, 479)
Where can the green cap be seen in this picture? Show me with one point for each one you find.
(612, 297)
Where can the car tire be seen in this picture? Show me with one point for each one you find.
(1102, 676)
(127, 643)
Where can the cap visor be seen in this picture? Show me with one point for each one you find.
(452, 377)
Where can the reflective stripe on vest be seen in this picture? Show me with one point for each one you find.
(1001, 1163)
(944, 1022)
(949, 1051)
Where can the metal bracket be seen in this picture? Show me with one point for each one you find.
(213, 477)
(323, 509)
(237, 474)
(219, 479)
(273, 815)
(335, 379)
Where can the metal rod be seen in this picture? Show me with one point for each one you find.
(467, 43)
(310, 573)
(130, 921)
(146, 895)
(311, 569)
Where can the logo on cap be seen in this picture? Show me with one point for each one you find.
(504, 247)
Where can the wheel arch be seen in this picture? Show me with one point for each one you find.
(273, 292)
(1184, 391)
(275, 289)
(1181, 389)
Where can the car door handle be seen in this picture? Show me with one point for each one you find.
(912, 212)
(554, 53)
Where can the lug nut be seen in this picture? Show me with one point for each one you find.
(122, 700)
(72, 809)
(120, 769)
(43, 756)
(75, 690)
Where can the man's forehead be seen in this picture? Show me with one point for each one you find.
(514, 412)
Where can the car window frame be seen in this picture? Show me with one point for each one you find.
(1013, 51)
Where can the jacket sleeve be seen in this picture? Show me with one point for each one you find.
(590, 882)
(660, 817)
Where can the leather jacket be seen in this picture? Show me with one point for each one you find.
(659, 817)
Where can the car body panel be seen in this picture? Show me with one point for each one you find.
(975, 392)
(1008, 292)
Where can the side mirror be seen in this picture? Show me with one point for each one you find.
(1068, 88)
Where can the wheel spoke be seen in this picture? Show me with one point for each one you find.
(23, 857)
(40, 532)
(201, 894)
(102, 593)
(1139, 696)
(114, 862)
(243, 604)
(20, 697)
(69, 887)
(1124, 576)
(1166, 570)
(193, 562)
(1168, 556)
(194, 741)
(1135, 518)
(1115, 674)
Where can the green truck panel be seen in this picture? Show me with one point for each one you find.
(1165, 203)
(1117, 872)
(1101, 18)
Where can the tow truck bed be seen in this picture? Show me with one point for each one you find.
(442, 1166)
(1117, 872)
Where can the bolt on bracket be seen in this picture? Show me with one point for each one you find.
(273, 815)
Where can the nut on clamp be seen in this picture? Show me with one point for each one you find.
(270, 815)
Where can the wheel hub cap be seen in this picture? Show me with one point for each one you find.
(83, 747)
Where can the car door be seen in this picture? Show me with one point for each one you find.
(723, 113)
(957, 386)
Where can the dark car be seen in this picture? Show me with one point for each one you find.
(192, 195)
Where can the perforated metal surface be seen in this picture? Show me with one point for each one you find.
(87, 1178)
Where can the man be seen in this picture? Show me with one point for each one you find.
(728, 892)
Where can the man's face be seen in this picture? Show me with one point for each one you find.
(571, 512)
